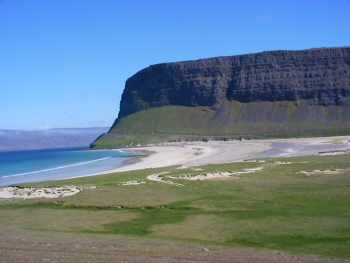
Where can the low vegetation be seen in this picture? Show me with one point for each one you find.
(233, 120)
(276, 207)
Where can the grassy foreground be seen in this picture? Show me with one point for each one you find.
(275, 208)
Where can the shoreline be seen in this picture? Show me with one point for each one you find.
(159, 156)
(216, 152)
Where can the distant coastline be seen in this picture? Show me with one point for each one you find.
(17, 140)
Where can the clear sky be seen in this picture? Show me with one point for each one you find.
(64, 63)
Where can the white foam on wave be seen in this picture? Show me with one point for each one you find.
(60, 167)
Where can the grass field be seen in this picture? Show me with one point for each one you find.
(233, 120)
(276, 208)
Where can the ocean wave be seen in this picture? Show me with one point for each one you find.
(60, 167)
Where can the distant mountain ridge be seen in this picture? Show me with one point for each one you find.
(11, 140)
(269, 92)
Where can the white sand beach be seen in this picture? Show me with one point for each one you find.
(201, 153)
(194, 154)
(214, 152)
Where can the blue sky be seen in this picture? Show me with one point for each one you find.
(64, 63)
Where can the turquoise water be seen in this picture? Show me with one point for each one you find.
(51, 164)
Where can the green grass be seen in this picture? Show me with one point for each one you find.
(232, 120)
(277, 208)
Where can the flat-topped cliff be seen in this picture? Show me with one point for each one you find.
(321, 76)
(262, 93)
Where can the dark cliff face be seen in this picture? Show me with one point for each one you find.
(320, 76)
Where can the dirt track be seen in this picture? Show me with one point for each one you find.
(35, 246)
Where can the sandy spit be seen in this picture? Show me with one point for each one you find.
(194, 154)
(213, 152)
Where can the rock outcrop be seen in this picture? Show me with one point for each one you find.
(267, 94)
(321, 76)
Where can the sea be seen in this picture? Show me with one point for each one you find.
(52, 164)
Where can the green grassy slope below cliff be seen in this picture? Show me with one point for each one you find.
(233, 119)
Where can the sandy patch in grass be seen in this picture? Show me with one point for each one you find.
(156, 177)
(335, 171)
(133, 183)
(160, 178)
(39, 192)
(208, 176)
(268, 161)
(218, 175)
